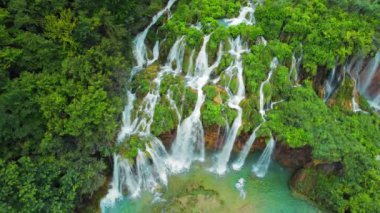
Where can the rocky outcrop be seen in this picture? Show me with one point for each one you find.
(304, 179)
(292, 157)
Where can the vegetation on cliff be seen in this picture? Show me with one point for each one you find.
(63, 66)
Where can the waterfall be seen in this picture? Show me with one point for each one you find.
(189, 142)
(239, 162)
(146, 180)
(295, 67)
(273, 67)
(236, 69)
(127, 127)
(141, 124)
(129, 179)
(159, 158)
(156, 53)
(173, 105)
(139, 48)
(368, 73)
(114, 192)
(249, 11)
(261, 41)
(261, 167)
(330, 84)
(364, 80)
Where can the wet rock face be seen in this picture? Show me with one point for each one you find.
(374, 87)
(292, 157)
(214, 137)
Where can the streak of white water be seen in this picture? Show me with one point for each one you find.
(114, 192)
(173, 105)
(275, 103)
(364, 77)
(246, 16)
(261, 167)
(141, 126)
(261, 41)
(127, 127)
(156, 53)
(273, 67)
(128, 178)
(146, 180)
(369, 72)
(139, 47)
(330, 85)
(189, 142)
(295, 67)
(235, 70)
(239, 162)
(159, 159)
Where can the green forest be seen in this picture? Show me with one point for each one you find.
(64, 68)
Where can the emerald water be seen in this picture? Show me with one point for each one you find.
(199, 190)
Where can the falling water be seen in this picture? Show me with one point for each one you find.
(364, 77)
(246, 16)
(159, 158)
(261, 167)
(295, 67)
(156, 53)
(273, 67)
(236, 69)
(114, 192)
(239, 162)
(141, 124)
(331, 84)
(146, 179)
(173, 105)
(368, 73)
(189, 142)
(129, 179)
(139, 48)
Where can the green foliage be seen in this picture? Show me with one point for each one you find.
(130, 146)
(165, 118)
(61, 28)
(62, 68)
(334, 137)
(327, 31)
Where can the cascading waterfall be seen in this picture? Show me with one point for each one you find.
(295, 67)
(246, 14)
(330, 84)
(115, 191)
(144, 173)
(273, 67)
(173, 105)
(139, 49)
(146, 179)
(363, 77)
(239, 162)
(261, 167)
(366, 76)
(129, 179)
(156, 53)
(367, 79)
(235, 69)
(159, 160)
(189, 142)
(154, 165)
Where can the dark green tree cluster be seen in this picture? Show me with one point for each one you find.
(63, 66)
